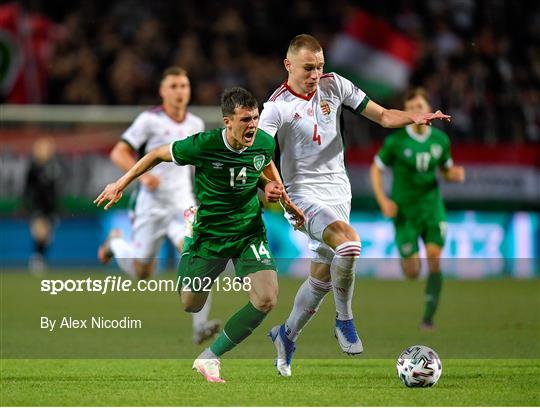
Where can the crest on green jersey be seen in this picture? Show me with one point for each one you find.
(258, 161)
(436, 151)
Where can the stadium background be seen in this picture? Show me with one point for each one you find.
(79, 73)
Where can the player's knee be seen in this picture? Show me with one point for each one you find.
(434, 265)
(338, 233)
(411, 271)
(265, 303)
(411, 268)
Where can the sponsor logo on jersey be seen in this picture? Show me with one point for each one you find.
(310, 112)
(297, 116)
(258, 161)
(217, 165)
(407, 152)
(436, 151)
(325, 107)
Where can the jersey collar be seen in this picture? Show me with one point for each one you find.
(227, 144)
(421, 138)
(304, 97)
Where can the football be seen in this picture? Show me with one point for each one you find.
(419, 366)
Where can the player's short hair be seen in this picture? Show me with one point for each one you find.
(414, 92)
(237, 97)
(303, 41)
(174, 70)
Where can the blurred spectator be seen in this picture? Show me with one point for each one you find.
(41, 196)
(479, 60)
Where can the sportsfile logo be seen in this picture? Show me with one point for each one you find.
(112, 284)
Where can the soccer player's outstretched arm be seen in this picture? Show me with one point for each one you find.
(395, 118)
(113, 192)
(122, 156)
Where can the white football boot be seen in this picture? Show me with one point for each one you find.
(285, 349)
(209, 369)
(347, 337)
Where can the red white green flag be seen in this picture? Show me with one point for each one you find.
(372, 54)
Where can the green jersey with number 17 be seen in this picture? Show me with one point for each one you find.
(414, 160)
(225, 182)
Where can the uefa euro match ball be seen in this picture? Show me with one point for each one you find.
(419, 366)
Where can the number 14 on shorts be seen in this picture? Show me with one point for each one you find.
(261, 252)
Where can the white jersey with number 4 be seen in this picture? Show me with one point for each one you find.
(152, 129)
(309, 136)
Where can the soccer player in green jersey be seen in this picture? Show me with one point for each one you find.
(414, 153)
(228, 169)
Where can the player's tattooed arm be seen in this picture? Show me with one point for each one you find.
(113, 192)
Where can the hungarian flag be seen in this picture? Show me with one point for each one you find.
(376, 57)
(25, 44)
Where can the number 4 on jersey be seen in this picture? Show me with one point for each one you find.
(316, 137)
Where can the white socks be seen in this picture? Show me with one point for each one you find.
(342, 271)
(123, 253)
(201, 317)
(306, 303)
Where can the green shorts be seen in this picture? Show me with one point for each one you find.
(198, 271)
(428, 224)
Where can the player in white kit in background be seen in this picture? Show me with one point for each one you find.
(304, 115)
(165, 201)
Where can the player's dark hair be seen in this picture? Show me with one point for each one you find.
(304, 41)
(237, 97)
(414, 92)
(174, 70)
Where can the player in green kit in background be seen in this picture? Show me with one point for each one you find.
(228, 170)
(414, 153)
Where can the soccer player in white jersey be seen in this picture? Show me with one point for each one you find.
(303, 114)
(166, 192)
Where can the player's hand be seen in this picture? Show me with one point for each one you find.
(150, 181)
(110, 195)
(273, 191)
(293, 214)
(456, 174)
(389, 208)
(427, 118)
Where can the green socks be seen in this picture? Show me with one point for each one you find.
(237, 328)
(433, 290)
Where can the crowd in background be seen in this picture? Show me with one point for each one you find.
(479, 60)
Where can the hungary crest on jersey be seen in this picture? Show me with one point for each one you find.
(325, 107)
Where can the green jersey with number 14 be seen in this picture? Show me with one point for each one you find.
(225, 182)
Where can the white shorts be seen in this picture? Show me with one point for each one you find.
(318, 216)
(151, 224)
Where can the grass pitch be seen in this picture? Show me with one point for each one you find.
(488, 337)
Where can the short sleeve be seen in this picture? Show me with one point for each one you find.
(351, 95)
(186, 151)
(137, 134)
(270, 120)
(385, 155)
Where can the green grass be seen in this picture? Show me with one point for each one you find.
(254, 382)
(488, 337)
